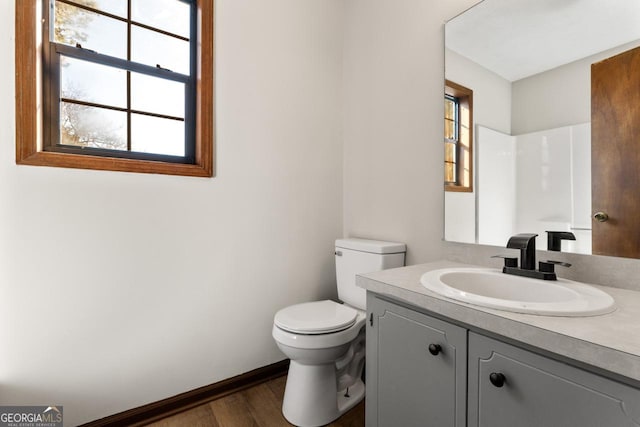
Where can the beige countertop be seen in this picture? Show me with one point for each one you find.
(610, 342)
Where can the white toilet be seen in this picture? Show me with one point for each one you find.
(325, 339)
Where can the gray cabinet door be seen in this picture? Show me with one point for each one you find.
(540, 392)
(406, 384)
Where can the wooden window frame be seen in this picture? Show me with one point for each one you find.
(465, 96)
(29, 103)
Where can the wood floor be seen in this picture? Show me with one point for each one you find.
(259, 406)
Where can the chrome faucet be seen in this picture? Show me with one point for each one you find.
(526, 242)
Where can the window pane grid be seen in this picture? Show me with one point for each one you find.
(116, 7)
(449, 173)
(87, 55)
(147, 53)
(186, 97)
(98, 128)
(450, 152)
(450, 128)
(451, 138)
(125, 110)
(458, 122)
(123, 19)
(449, 109)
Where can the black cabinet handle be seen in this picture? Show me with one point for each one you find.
(497, 379)
(435, 349)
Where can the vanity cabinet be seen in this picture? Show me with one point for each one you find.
(416, 368)
(477, 381)
(509, 386)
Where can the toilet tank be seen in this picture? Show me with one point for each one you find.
(357, 256)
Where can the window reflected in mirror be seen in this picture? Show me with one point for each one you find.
(458, 125)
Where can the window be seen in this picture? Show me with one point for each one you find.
(458, 137)
(121, 85)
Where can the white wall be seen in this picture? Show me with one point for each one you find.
(554, 184)
(393, 155)
(543, 182)
(581, 175)
(118, 289)
(460, 215)
(491, 93)
(558, 97)
(533, 183)
(496, 186)
(491, 109)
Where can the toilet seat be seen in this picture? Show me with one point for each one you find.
(315, 318)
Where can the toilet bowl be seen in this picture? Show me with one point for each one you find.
(324, 379)
(325, 340)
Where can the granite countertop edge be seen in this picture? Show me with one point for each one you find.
(610, 342)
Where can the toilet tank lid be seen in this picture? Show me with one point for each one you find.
(372, 246)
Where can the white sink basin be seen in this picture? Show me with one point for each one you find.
(493, 289)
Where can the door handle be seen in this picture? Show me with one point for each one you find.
(601, 216)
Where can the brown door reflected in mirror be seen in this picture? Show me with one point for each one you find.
(615, 154)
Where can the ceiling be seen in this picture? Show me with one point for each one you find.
(520, 38)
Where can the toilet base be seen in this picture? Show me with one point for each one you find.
(350, 397)
(311, 397)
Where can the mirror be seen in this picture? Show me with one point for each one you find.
(528, 63)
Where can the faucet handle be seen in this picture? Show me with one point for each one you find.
(549, 265)
(509, 261)
(560, 263)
